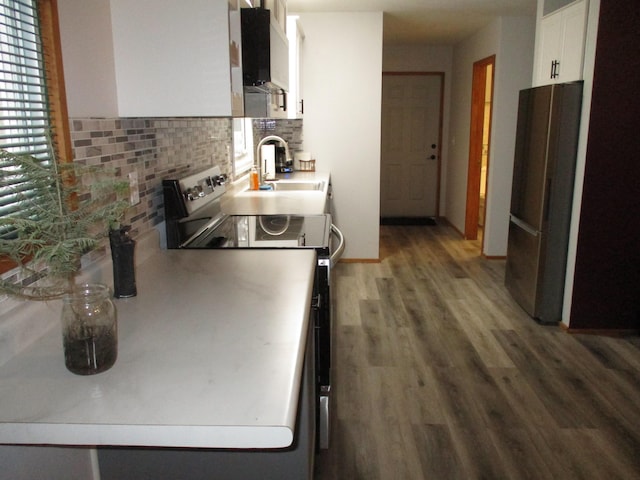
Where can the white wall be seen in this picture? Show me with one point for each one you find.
(85, 32)
(514, 68)
(511, 39)
(424, 58)
(342, 65)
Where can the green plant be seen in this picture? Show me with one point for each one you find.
(66, 209)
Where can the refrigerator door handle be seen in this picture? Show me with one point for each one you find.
(523, 225)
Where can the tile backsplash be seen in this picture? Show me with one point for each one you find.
(154, 148)
(159, 147)
(288, 129)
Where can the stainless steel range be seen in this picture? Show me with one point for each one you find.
(194, 219)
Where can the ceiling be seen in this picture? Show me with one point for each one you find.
(432, 22)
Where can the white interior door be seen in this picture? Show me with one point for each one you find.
(410, 158)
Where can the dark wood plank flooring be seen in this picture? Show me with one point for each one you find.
(438, 374)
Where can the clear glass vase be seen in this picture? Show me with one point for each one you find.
(89, 329)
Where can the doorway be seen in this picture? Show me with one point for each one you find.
(411, 138)
(479, 151)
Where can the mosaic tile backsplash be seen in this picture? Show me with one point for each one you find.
(159, 147)
(290, 130)
(154, 148)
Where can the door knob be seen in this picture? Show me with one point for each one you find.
(432, 157)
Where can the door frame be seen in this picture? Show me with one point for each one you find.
(440, 125)
(478, 94)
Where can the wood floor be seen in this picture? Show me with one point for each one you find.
(438, 374)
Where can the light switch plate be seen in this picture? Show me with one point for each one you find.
(134, 191)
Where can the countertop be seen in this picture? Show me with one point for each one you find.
(240, 201)
(210, 355)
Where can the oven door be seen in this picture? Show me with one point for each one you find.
(323, 329)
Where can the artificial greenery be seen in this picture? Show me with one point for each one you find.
(66, 209)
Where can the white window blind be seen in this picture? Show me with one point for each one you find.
(24, 113)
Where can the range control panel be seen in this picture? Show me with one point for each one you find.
(202, 188)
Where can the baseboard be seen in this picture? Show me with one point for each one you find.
(603, 332)
(359, 260)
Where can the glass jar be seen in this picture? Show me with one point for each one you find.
(89, 329)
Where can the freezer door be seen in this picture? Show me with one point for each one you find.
(530, 182)
(523, 270)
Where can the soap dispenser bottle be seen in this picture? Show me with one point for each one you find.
(254, 181)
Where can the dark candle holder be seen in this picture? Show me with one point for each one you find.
(122, 255)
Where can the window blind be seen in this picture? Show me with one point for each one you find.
(24, 113)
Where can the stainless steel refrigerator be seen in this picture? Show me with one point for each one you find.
(541, 197)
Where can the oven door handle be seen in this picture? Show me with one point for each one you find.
(337, 253)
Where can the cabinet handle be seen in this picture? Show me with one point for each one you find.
(555, 71)
(302, 106)
(284, 100)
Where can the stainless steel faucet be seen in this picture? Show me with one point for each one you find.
(257, 161)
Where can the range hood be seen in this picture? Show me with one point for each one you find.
(265, 53)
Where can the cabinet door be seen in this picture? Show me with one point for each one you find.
(295, 35)
(550, 42)
(235, 54)
(562, 36)
(573, 37)
(172, 58)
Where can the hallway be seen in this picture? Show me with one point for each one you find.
(439, 375)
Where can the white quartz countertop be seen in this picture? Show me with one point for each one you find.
(240, 201)
(211, 352)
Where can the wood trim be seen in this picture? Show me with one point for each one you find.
(478, 93)
(51, 45)
(602, 332)
(6, 264)
(494, 257)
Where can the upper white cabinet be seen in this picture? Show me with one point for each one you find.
(177, 58)
(295, 34)
(278, 9)
(235, 53)
(561, 43)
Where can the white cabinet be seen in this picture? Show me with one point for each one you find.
(175, 58)
(561, 45)
(295, 35)
(235, 60)
(278, 9)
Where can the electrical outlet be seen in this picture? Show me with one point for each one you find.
(134, 190)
